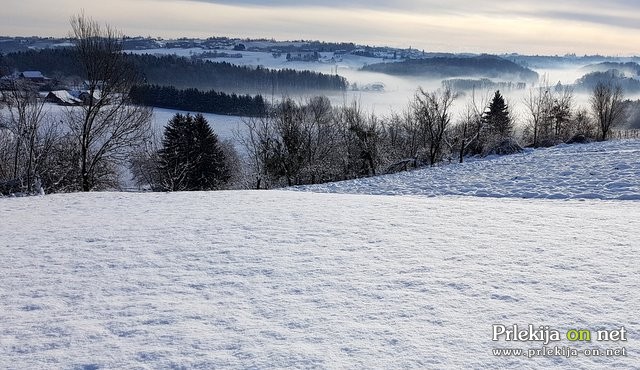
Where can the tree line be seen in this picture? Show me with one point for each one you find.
(589, 81)
(291, 143)
(194, 100)
(456, 66)
(181, 72)
(310, 142)
(314, 142)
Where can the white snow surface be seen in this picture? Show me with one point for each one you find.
(606, 170)
(284, 279)
(275, 279)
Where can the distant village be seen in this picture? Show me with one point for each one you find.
(222, 47)
(51, 90)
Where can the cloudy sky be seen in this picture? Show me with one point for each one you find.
(529, 26)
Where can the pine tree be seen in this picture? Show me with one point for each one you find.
(191, 157)
(497, 118)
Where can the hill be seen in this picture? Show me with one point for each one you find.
(629, 68)
(284, 279)
(606, 170)
(486, 66)
(613, 76)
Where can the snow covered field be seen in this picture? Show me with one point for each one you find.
(608, 170)
(283, 279)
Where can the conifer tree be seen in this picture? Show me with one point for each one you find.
(497, 119)
(191, 157)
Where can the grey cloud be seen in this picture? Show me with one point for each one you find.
(404, 5)
(590, 11)
(428, 5)
(540, 8)
(603, 19)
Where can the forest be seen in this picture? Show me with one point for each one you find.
(591, 80)
(447, 67)
(195, 100)
(181, 72)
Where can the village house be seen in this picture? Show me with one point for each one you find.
(62, 97)
(34, 76)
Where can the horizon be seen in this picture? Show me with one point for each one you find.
(528, 28)
(256, 39)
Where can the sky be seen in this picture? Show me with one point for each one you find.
(493, 26)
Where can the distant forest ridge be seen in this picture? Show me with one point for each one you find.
(486, 66)
(626, 75)
(194, 100)
(614, 77)
(629, 68)
(182, 72)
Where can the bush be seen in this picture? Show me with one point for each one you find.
(505, 147)
(579, 139)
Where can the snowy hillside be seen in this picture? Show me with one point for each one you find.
(284, 279)
(608, 170)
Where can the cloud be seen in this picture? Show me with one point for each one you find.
(542, 26)
(614, 13)
(613, 20)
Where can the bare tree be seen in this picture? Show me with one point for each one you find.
(607, 107)
(432, 113)
(583, 125)
(362, 137)
(26, 115)
(35, 149)
(287, 150)
(550, 111)
(256, 139)
(277, 144)
(321, 140)
(537, 103)
(465, 134)
(107, 126)
(561, 113)
(144, 164)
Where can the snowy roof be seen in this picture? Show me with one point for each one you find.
(86, 94)
(65, 97)
(32, 74)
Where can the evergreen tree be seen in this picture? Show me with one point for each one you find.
(497, 118)
(191, 157)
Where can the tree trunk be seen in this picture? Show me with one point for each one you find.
(83, 170)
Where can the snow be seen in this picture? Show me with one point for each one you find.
(608, 170)
(65, 97)
(280, 279)
(277, 279)
(32, 74)
(267, 60)
(181, 52)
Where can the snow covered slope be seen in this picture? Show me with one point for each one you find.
(279, 279)
(284, 279)
(608, 170)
